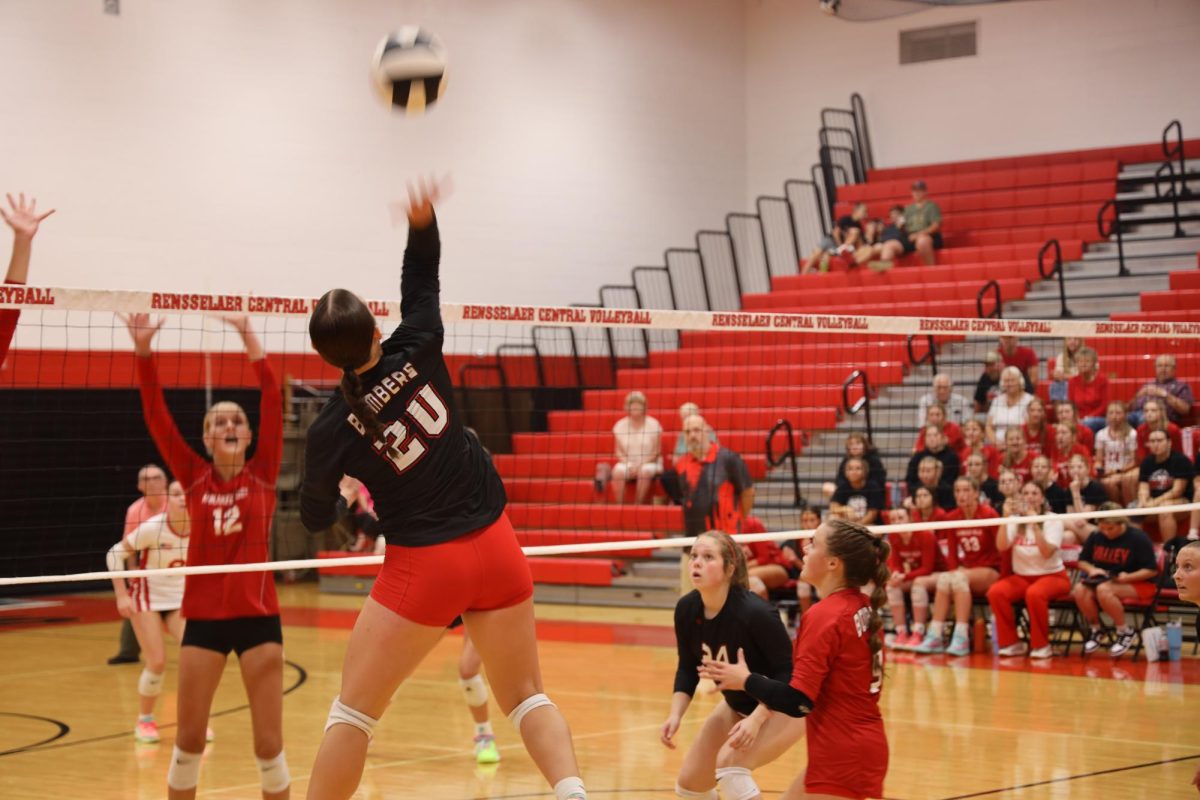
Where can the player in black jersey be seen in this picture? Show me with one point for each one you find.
(450, 547)
(714, 622)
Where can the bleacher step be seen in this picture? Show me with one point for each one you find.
(637, 593)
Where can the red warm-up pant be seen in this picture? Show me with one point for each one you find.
(1037, 591)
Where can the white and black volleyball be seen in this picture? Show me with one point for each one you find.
(410, 69)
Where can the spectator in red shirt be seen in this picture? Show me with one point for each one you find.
(1088, 390)
(716, 487)
(935, 415)
(974, 442)
(1016, 454)
(1038, 437)
(1065, 447)
(1021, 357)
(766, 566)
(913, 557)
(1066, 412)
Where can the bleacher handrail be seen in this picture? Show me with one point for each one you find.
(788, 455)
(930, 352)
(1056, 268)
(1176, 152)
(1114, 228)
(863, 404)
(1173, 196)
(997, 311)
(859, 109)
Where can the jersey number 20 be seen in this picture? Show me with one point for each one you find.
(402, 447)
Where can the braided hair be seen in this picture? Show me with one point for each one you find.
(864, 557)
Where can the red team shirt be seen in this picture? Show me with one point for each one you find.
(974, 547)
(230, 520)
(914, 558)
(833, 666)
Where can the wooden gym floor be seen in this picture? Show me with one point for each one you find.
(977, 727)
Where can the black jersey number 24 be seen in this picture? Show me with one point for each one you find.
(427, 413)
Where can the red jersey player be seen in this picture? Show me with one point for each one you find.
(231, 502)
(24, 221)
(914, 556)
(837, 667)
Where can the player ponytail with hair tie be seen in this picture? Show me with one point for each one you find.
(864, 558)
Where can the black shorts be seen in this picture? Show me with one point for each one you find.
(238, 634)
(911, 247)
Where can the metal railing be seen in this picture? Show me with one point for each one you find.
(997, 311)
(930, 352)
(863, 404)
(789, 454)
(1176, 151)
(1056, 268)
(1173, 194)
(1114, 227)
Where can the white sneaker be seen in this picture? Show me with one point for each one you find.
(1014, 649)
(1042, 652)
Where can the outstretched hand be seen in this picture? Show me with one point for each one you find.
(141, 331)
(727, 676)
(22, 216)
(423, 195)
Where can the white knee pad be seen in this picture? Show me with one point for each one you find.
(570, 789)
(920, 596)
(527, 705)
(273, 772)
(895, 596)
(959, 582)
(711, 794)
(736, 783)
(340, 714)
(150, 683)
(474, 690)
(184, 772)
(943, 581)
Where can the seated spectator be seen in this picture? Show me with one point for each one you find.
(859, 500)
(637, 448)
(1038, 577)
(958, 408)
(858, 446)
(1117, 563)
(715, 486)
(1062, 368)
(1175, 395)
(988, 385)
(1066, 413)
(1014, 354)
(843, 240)
(1017, 457)
(1085, 494)
(1009, 409)
(1163, 480)
(973, 565)
(689, 410)
(882, 251)
(810, 520)
(935, 416)
(1066, 448)
(1088, 390)
(360, 515)
(1039, 439)
(974, 442)
(766, 565)
(989, 490)
(1009, 486)
(1115, 459)
(1042, 473)
(923, 224)
(935, 447)
(914, 555)
(1194, 517)
(1154, 418)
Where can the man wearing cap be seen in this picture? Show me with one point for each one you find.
(923, 221)
(989, 381)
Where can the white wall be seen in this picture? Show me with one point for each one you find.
(235, 144)
(1050, 75)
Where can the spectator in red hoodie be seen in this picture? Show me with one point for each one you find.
(1088, 390)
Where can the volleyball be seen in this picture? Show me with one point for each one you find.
(409, 69)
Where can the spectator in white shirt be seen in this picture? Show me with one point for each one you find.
(958, 408)
(1010, 407)
(637, 442)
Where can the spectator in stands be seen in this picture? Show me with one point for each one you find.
(810, 520)
(881, 252)
(1115, 459)
(1041, 472)
(989, 490)
(958, 408)
(914, 556)
(1163, 480)
(1010, 408)
(843, 240)
(715, 485)
(1038, 577)
(858, 446)
(1154, 418)
(1088, 390)
(766, 565)
(935, 447)
(1017, 457)
(1014, 354)
(973, 565)
(359, 516)
(929, 477)
(1066, 448)
(1117, 562)
(1066, 413)
(1085, 494)
(1009, 484)
(935, 416)
(859, 500)
(687, 410)
(1062, 368)
(974, 442)
(923, 224)
(1038, 437)
(988, 385)
(637, 449)
(1174, 394)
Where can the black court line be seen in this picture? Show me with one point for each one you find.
(1112, 771)
(301, 679)
(63, 730)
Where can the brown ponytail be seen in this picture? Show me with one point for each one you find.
(864, 558)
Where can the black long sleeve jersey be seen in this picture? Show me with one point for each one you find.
(745, 621)
(441, 484)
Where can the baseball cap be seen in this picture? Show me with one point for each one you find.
(918, 184)
(991, 357)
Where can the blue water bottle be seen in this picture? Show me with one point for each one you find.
(1174, 640)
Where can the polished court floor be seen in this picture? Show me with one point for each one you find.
(979, 727)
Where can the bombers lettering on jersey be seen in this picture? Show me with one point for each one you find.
(381, 393)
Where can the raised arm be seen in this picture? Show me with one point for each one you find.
(24, 221)
(420, 293)
(270, 405)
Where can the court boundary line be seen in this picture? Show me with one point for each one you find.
(1081, 776)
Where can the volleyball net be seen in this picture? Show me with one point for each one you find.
(782, 387)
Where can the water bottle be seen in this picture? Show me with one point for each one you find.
(1174, 640)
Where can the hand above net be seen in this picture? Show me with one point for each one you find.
(22, 216)
(423, 196)
(141, 331)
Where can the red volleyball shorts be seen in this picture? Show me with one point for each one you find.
(484, 570)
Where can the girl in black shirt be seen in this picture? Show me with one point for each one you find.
(714, 622)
